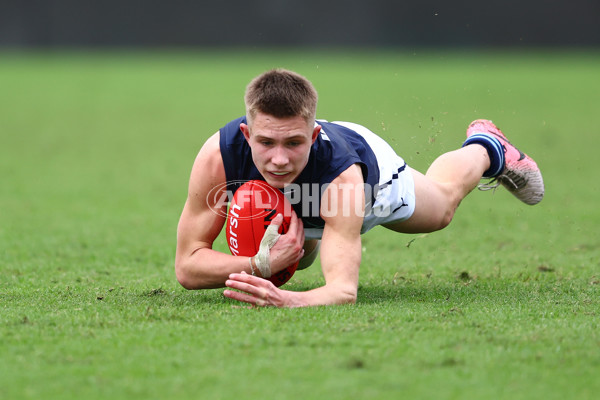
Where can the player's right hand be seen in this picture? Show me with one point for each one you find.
(288, 249)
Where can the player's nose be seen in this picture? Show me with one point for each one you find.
(279, 157)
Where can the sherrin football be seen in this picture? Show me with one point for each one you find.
(253, 207)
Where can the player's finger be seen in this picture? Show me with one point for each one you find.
(247, 278)
(255, 294)
(278, 220)
(239, 296)
(253, 285)
(293, 228)
(300, 231)
(247, 292)
(272, 232)
(297, 228)
(244, 287)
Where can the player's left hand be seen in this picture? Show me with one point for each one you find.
(253, 290)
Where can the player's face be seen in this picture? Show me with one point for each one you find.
(280, 146)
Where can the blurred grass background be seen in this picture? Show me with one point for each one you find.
(96, 149)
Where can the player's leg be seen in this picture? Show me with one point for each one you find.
(439, 192)
(486, 153)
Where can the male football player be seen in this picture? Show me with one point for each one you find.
(354, 177)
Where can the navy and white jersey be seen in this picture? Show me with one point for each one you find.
(338, 146)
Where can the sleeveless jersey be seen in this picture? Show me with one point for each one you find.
(336, 148)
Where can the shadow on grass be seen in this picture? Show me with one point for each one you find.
(374, 294)
(462, 289)
(439, 292)
(367, 294)
(465, 289)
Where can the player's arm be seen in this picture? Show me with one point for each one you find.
(197, 265)
(342, 209)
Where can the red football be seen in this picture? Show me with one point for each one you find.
(252, 208)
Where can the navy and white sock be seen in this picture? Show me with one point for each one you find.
(495, 151)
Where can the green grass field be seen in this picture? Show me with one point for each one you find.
(95, 154)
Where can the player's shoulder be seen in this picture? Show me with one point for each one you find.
(231, 130)
(353, 126)
(211, 149)
(208, 166)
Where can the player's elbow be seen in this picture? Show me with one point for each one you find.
(349, 298)
(346, 294)
(183, 276)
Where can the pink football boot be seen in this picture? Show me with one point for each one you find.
(521, 175)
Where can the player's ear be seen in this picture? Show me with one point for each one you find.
(245, 130)
(316, 132)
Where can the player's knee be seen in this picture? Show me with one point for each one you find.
(445, 219)
(449, 206)
(440, 219)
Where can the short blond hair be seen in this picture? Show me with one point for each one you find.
(281, 94)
